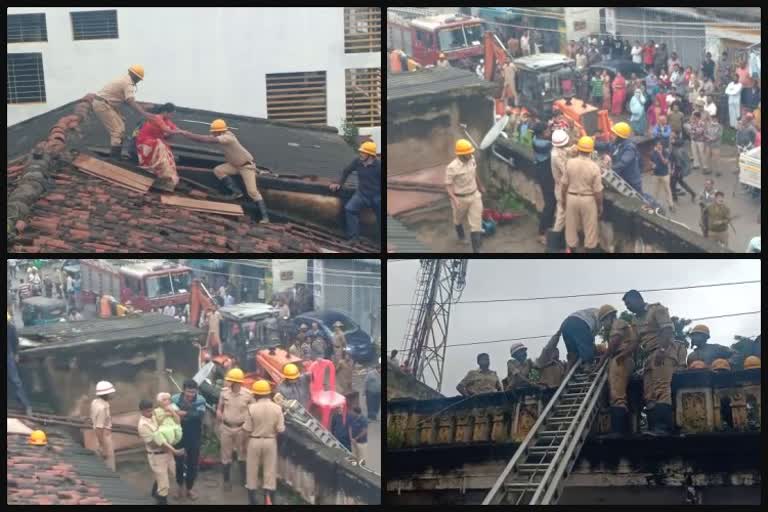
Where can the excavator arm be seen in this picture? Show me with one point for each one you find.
(495, 55)
(200, 300)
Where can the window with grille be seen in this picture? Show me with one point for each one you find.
(94, 25)
(26, 28)
(362, 29)
(26, 83)
(364, 97)
(297, 97)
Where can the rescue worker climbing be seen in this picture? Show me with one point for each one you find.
(368, 193)
(465, 192)
(231, 411)
(107, 101)
(551, 369)
(579, 330)
(238, 161)
(703, 351)
(263, 422)
(481, 380)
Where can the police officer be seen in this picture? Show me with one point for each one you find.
(625, 156)
(745, 348)
(231, 411)
(717, 217)
(582, 195)
(703, 351)
(518, 367)
(560, 140)
(622, 343)
(551, 369)
(263, 422)
(101, 417)
(339, 340)
(481, 380)
(465, 191)
(656, 336)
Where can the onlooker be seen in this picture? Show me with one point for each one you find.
(745, 78)
(662, 131)
(680, 162)
(648, 52)
(660, 58)
(733, 91)
(660, 161)
(637, 118)
(606, 90)
(191, 410)
(637, 53)
(673, 62)
(708, 67)
(339, 428)
(358, 434)
(697, 142)
(746, 133)
(581, 60)
(619, 94)
(373, 392)
(652, 83)
(711, 108)
(750, 98)
(724, 71)
(596, 86)
(675, 119)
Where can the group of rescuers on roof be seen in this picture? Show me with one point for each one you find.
(651, 330)
(154, 153)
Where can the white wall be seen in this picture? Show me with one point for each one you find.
(588, 15)
(297, 267)
(206, 58)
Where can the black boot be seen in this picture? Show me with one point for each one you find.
(232, 189)
(225, 471)
(263, 210)
(162, 500)
(252, 497)
(116, 152)
(664, 420)
(477, 239)
(650, 417)
(154, 489)
(460, 231)
(243, 472)
(618, 422)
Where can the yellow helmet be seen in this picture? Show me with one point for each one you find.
(720, 365)
(622, 130)
(751, 362)
(261, 387)
(368, 147)
(218, 125)
(586, 144)
(235, 375)
(38, 438)
(697, 365)
(138, 70)
(291, 371)
(605, 310)
(464, 147)
(701, 328)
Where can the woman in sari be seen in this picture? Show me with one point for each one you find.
(154, 152)
(619, 93)
(606, 91)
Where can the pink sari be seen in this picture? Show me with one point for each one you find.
(606, 92)
(619, 94)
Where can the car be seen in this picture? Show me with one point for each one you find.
(627, 67)
(359, 343)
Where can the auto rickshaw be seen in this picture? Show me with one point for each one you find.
(43, 310)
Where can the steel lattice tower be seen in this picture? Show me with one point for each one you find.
(439, 284)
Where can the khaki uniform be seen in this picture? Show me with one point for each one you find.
(214, 332)
(339, 344)
(479, 381)
(559, 158)
(622, 364)
(463, 178)
(344, 377)
(552, 373)
(657, 379)
(515, 371)
(239, 161)
(235, 409)
(106, 103)
(709, 352)
(318, 347)
(161, 462)
(102, 418)
(581, 181)
(719, 216)
(295, 350)
(263, 422)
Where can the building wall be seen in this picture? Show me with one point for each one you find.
(205, 58)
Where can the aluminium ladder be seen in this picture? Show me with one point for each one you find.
(537, 471)
(297, 414)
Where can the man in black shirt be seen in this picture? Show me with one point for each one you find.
(708, 67)
(368, 192)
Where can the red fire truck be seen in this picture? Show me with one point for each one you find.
(459, 37)
(147, 284)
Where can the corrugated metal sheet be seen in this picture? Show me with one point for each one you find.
(402, 239)
(432, 81)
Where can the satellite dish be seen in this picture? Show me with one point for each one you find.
(494, 132)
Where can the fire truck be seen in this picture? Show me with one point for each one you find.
(148, 284)
(423, 39)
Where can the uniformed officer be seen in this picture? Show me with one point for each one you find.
(622, 343)
(344, 369)
(656, 334)
(296, 385)
(231, 411)
(107, 101)
(706, 352)
(339, 340)
(159, 453)
(263, 422)
(214, 332)
(101, 417)
(518, 367)
(551, 369)
(318, 348)
(481, 380)
(560, 140)
(745, 348)
(582, 195)
(465, 191)
(717, 217)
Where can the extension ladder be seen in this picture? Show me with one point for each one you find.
(298, 415)
(620, 184)
(537, 471)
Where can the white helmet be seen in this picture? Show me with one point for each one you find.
(559, 138)
(104, 388)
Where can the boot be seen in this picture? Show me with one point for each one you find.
(263, 209)
(154, 489)
(477, 239)
(252, 499)
(460, 231)
(162, 500)
(232, 189)
(650, 416)
(225, 471)
(116, 152)
(618, 422)
(243, 472)
(664, 420)
(164, 184)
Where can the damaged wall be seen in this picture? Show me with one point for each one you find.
(401, 385)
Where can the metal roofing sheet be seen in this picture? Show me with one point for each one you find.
(432, 81)
(401, 238)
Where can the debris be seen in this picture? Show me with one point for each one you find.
(202, 206)
(113, 174)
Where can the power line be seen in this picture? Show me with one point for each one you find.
(549, 335)
(589, 294)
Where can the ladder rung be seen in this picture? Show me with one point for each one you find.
(541, 449)
(522, 486)
(564, 419)
(574, 395)
(551, 433)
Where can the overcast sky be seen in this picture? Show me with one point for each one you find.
(500, 279)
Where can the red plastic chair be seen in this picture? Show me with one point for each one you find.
(326, 400)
